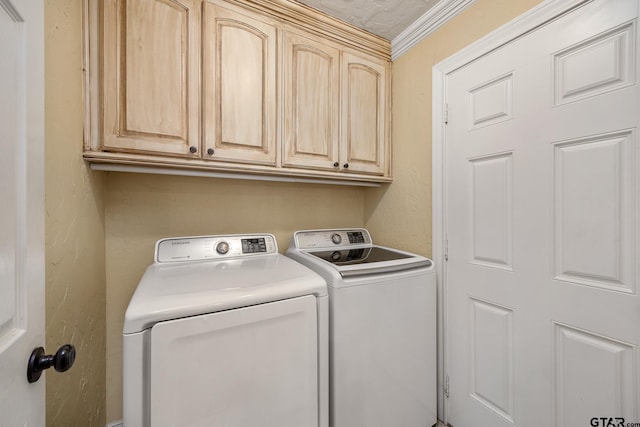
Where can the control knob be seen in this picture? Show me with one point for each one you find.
(222, 248)
(336, 238)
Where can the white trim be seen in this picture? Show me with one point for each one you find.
(438, 224)
(115, 424)
(540, 15)
(433, 19)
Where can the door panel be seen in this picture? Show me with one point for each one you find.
(12, 149)
(364, 103)
(311, 102)
(151, 76)
(584, 362)
(492, 357)
(594, 175)
(492, 209)
(491, 102)
(22, 208)
(239, 81)
(542, 196)
(598, 65)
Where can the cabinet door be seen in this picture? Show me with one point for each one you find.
(364, 112)
(239, 82)
(151, 76)
(311, 83)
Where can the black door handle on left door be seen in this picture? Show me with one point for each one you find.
(62, 361)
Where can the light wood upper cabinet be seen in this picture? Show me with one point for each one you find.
(364, 139)
(151, 90)
(252, 87)
(335, 109)
(239, 86)
(311, 83)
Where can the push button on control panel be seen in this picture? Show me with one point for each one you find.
(356, 237)
(251, 246)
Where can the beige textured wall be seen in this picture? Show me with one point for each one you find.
(400, 215)
(74, 231)
(140, 209)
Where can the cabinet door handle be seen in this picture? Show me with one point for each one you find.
(346, 166)
(193, 149)
(210, 151)
(336, 164)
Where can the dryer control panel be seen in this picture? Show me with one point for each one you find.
(199, 248)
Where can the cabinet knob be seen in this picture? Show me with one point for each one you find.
(336, 164)
(210, 151)
(193, 149)
(346, 166)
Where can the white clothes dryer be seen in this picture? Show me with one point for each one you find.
(224, 331)
(382, 328)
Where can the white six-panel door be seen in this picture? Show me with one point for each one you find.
(21, 208)
(542, 196)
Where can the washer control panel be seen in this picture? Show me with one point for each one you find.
(198, 248)
(311, 239)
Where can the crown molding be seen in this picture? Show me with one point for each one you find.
(310, 19)
(433, 19)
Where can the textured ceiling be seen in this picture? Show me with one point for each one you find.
(385, 18)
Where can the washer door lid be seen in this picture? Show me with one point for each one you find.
(371, 260)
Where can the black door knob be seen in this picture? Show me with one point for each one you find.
(193, 149)
(336, 164)
(346, 166)
(62, 361)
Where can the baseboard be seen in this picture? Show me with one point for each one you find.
(115, 424)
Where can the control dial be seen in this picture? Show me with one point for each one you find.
(222, 248)
(336, 238)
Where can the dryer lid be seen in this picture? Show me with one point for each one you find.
(172, 291)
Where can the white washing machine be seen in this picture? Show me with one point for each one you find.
(382, 328)
(224, 331)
